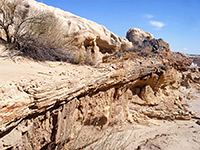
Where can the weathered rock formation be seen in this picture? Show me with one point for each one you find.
(76, 106)
(70, 34)
(81, 32)
(63, 109)
(146, 45)
(138, 37)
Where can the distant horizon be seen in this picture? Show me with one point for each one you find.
(175, 21)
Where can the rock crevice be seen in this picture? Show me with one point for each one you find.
(65, 106)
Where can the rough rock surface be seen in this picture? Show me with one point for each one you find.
(144, 44)
(81, 32)
(68, 105)
(145, 41)
(138, 37)
(56, 105)
(68, 32)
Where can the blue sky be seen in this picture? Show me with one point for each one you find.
(176, 21)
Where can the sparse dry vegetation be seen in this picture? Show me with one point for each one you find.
(39, 37)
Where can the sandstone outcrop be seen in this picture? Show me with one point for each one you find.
(81, 32)
(70, 34)
(57, 105)
(138, 37)
(146, 45)
(69, 107)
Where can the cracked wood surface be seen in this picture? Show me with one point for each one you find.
(39, 94)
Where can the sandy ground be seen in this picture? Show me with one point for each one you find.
(194, 105)
(18, 68)
(158, 135)
(178, 135)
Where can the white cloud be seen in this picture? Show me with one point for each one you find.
(185, 49)
(157, 24)
(148, 16)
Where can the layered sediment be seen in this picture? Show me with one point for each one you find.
(58, 105)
